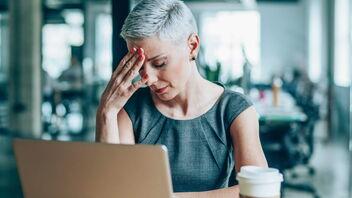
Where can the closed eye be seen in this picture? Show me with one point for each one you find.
(159, 65)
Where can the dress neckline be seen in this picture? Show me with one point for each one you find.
(191, 119)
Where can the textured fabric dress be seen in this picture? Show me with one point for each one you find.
(200, 150)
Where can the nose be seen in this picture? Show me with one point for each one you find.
(152, 75)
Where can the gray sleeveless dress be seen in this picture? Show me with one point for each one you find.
(200, 150)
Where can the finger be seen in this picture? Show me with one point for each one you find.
(128, 60)
(130, 64)
(132, 61)
(128, 57)
(129, 70)
(134, 71)
(135, 86)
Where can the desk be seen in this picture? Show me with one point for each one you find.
(285, 131)
(286, 112)
(273, 114)
(286, 134)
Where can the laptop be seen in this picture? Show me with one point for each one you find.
(76, 169)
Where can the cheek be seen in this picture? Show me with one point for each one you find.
(177, 73)
(183, 67)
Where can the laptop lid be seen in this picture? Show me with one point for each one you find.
(77, 169)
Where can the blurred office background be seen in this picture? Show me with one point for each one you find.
(292, 57)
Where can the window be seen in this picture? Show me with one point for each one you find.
(225, 35)
(103, 44)
(342, 45)
(57, 49)
(3, 46)
(316, 45)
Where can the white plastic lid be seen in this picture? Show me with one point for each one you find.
(255, 174)
(259, 181)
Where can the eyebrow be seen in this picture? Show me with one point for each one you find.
(155, 57)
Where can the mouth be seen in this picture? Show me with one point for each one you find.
(161, 91)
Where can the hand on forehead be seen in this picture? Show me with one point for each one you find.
(152, 47)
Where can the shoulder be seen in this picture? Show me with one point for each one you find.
(139, 101)
(232, 104)
(141, 92)
(231, 97)
(235, 99)
(139, 97)
(141, 110)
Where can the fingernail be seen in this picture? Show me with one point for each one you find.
(140, 51)
(145, 76)
(131, 51)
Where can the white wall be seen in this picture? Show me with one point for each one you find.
(284, 36)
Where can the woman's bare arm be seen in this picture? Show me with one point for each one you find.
(246, 143)
(126, 134)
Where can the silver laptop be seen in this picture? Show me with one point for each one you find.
(76, 169)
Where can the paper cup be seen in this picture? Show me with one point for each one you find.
(259, 182)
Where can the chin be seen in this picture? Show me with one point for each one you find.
(166, 96)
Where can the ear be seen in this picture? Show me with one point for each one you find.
(193, 45)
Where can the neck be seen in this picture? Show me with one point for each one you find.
(194, 90)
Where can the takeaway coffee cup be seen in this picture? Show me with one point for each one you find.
(259, 182)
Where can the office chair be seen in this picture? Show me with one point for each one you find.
(288, 145)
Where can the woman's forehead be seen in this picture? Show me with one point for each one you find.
(151, 46)
(147, 43)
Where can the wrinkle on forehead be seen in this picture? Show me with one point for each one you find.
(152, 46)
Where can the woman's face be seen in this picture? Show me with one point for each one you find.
(167, 65)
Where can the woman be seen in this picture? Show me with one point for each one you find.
(207, 129)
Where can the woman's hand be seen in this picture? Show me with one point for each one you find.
(120, 87)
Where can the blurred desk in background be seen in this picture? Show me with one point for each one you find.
(285, 130)
(278, 114)
(286, 134)
(287, 111)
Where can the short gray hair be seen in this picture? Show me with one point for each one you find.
(166, 19)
